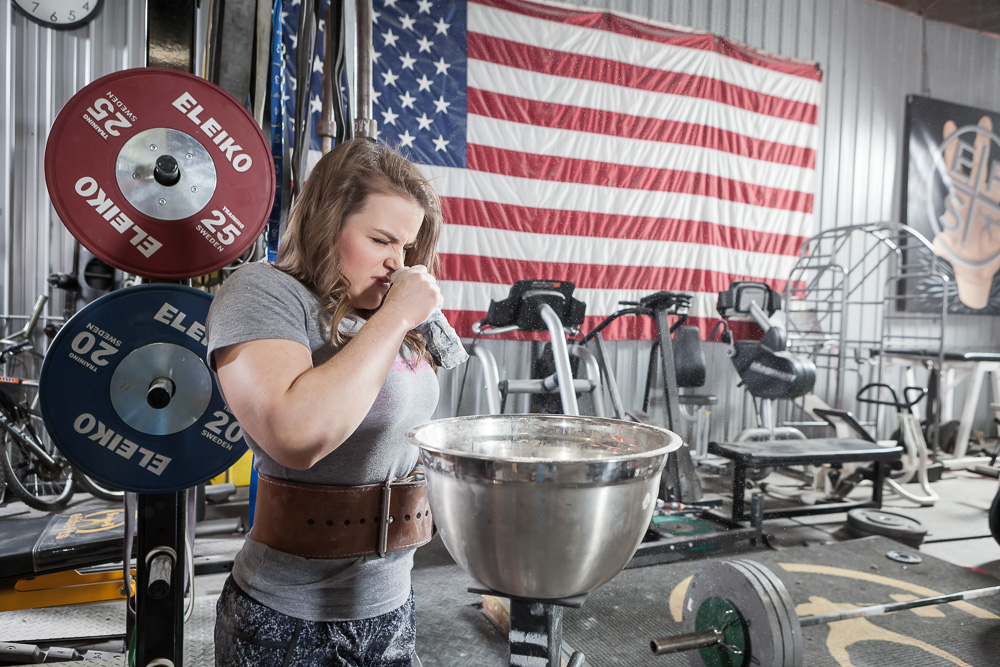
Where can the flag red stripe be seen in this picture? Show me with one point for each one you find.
(607, 123)
(624, 328)
(510, 217)
(503, 271)
(607, 174)
(602, 70)
(611, 22)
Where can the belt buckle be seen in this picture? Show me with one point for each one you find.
(384, 519)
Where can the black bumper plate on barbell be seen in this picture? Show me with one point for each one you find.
(159, 173)
(127, 396)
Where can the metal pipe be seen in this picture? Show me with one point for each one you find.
(364, 124)
(593, 369)
(560, 354)
(686, 642)
(491, 377)
(609, 376)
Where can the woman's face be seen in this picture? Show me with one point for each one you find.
(373, 244)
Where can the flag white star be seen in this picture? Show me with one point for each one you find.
(424, 83)
(390, 38)
(424, 122)
(425, 6)
(295, 40)
(442, 67)
(425, 45)
(296, 2)
(408, 22)
(375, 16)
(407, 60)
(317, 64)
(440, 143)
(406, 100)
(284, 17)
(441, 106)
(315, 104)
(406, 139)
(293, 81)
(375, 95)
(390, 3)
(388, 117)
(388, 78)
(442, 27)
(375, 55)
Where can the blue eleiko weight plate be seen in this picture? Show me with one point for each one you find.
(126, 394)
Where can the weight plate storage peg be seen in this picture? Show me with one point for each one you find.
(159, 173)
(127, 396)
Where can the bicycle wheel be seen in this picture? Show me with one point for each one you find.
(36, 472)
(43, 487)
(98, 489)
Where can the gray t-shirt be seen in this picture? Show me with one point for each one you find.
(260, 302)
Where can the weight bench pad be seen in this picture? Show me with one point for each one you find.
(812, 451)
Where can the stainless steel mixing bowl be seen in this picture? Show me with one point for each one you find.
(542, 506)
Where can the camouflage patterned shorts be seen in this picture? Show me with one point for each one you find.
(250, 633)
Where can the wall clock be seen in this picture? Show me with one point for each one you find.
(60, 14)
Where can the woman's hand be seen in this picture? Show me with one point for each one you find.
(414, 295)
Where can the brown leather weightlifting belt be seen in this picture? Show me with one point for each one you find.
(317, 521)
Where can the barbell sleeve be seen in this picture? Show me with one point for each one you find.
(686, 642)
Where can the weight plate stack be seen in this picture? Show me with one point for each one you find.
(768, 627)
(790, 630)
(862, 522)
(128, 398)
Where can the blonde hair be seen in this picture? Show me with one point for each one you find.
(337, 188)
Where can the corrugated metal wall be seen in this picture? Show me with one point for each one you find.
(43, 68)
(872, 56)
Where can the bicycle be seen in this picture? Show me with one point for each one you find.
(32, 466)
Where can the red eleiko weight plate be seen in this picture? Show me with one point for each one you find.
(159, 173)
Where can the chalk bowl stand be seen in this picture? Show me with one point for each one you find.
(541, 509)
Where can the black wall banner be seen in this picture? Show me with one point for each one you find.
(952, 196)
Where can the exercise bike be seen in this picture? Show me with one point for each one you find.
(766, 370)
(677, 350)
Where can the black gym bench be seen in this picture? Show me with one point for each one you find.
(813, 451)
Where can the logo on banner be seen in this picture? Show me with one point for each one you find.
(964, 207)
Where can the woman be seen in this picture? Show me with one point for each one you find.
(317, 359)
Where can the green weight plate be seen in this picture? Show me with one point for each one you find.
(720, 614)
(756, 605)
(671, 526)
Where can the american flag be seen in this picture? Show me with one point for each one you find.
(623, 155)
